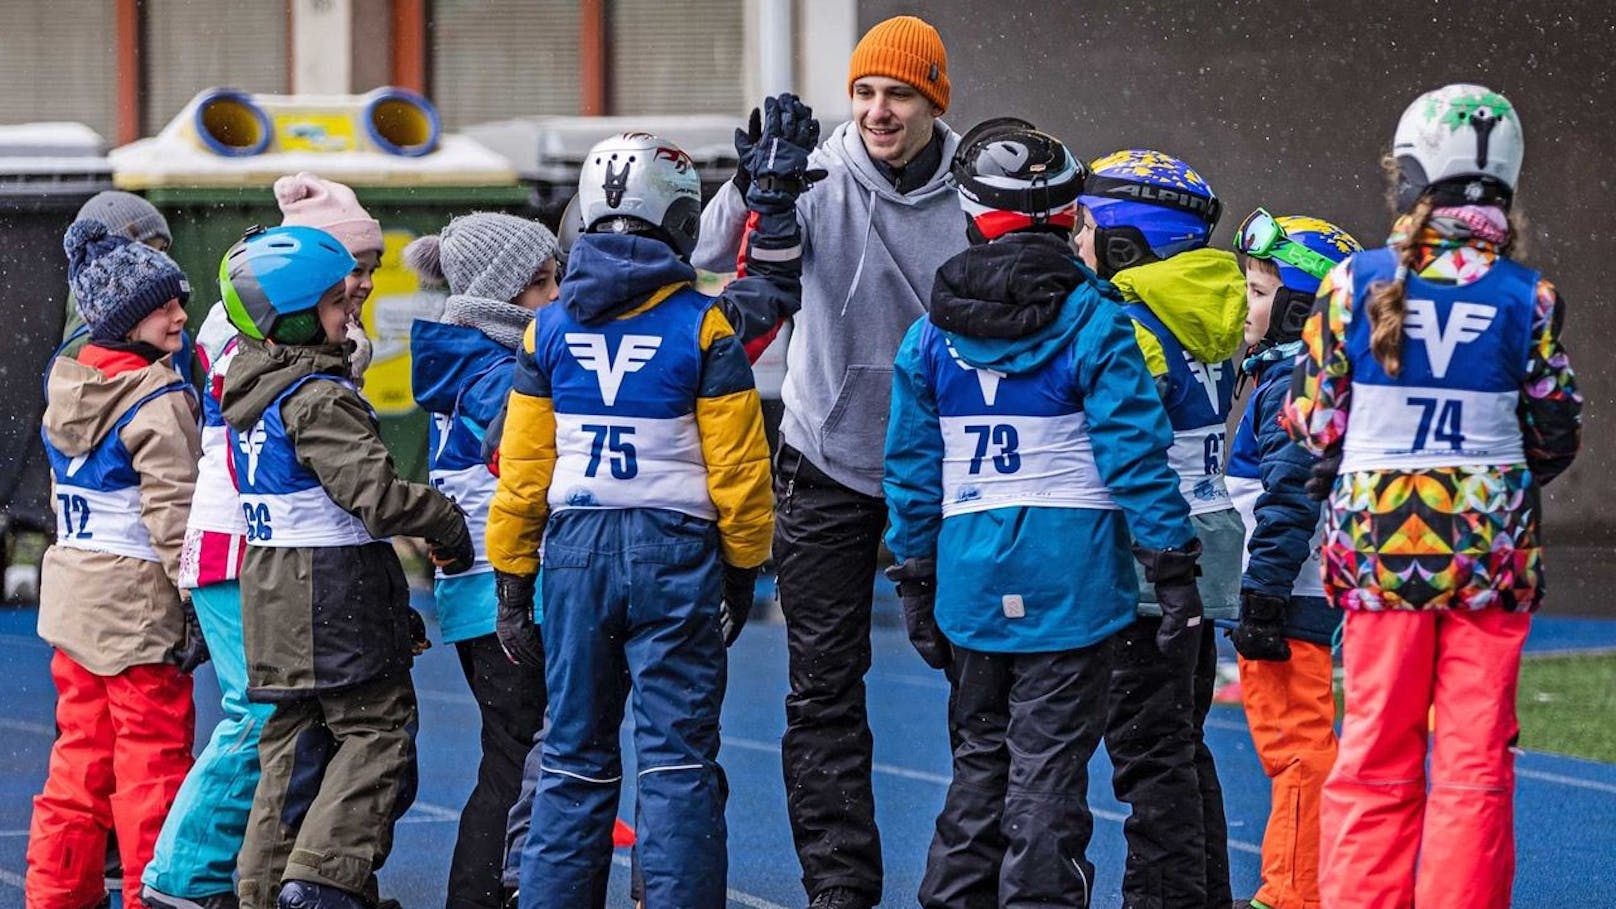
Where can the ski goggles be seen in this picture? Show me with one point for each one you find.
(1262, 237)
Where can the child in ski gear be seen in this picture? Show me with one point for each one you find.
(1286, 626)
(1435, 381)
(329, 636)
(124, 214)
(1147, 218)
(195, 860)
(1026, 434)
(874, 233)
(121, 437)
(499, 269)
(634, 451)
(306, 200)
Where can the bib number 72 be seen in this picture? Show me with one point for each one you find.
(1441, 421)
(75, 506)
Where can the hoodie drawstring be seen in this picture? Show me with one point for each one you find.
(864, 248)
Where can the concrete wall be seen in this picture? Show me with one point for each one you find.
(1285, 104)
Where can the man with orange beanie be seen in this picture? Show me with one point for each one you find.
(875, 230)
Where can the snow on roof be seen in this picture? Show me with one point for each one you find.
(51, 148)
(459, 161)
(553, 148)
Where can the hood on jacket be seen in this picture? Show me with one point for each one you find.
(847, 146)
(1017, 302)
(611, 274)
(1006, 289)
(84, 403)
(1199, 295)
(261, 371)
(445, 358)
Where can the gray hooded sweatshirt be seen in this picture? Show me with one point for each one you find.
(869, 257)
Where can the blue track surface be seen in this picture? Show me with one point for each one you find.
(1566, 808)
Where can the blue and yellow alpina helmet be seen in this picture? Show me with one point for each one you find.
(1303, 247)
(1147, 205)
(272, 280)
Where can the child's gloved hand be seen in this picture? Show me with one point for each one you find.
(740, 590)
(917, 594)
(1323, 476)
(359, 359)
(513, 625)
(192, 650)
(776, 162)
(454, 555)
(1173, 573)
(1261, 632)
(419, 642)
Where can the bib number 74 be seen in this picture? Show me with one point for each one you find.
(1440, 421)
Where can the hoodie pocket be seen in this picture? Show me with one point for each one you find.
(854, 433)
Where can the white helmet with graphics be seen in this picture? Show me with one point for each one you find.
(634, 182)
(1461, 144)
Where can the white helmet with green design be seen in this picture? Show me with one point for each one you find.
(1462, 145)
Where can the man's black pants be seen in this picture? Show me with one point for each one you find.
(826, 542)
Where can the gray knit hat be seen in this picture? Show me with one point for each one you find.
(128, 215)
(483, 254)
(116, 281)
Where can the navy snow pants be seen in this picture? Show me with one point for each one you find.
(630, 612)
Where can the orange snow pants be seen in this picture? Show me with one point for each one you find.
(1388, 842)
(122, 749)
(1290, 708)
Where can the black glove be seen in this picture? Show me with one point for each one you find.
(192, 650)
(454, 555)
(745, 140)
(1322, 478)
(776, 162)
(740, 589)
(917, 594)
(1261, 632)
(1173, 572)
(419, 642)
(518, 635)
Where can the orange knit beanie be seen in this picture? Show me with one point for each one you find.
(905, 48)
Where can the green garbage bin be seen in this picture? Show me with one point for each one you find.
(211, 185)
(47, 170)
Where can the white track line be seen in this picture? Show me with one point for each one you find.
(11, 725)
(939, 779)
(733, 895)
(1566, 780)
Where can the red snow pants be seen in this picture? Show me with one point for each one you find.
(122, 749)
(1388, 841)
(1290, 707)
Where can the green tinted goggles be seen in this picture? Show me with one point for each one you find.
(1261, 237)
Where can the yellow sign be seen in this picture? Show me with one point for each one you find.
(314, 132)
(396, 302)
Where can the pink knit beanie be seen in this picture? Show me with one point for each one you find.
(307, 200)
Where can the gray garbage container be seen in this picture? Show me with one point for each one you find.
(47, 170)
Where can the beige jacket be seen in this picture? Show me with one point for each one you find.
(110, 612)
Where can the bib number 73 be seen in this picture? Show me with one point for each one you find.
(997, 445)
(1440, 421)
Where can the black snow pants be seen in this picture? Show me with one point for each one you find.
(1178, 839)
(511, 701)
(1015, 827)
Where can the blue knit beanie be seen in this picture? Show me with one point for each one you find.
(116, 281)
